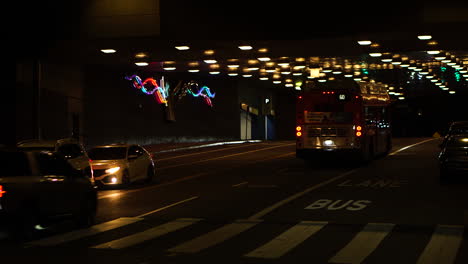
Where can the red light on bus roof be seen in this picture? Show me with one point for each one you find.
(300, 97)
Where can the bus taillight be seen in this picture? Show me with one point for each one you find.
(298, 131)
(358, 131)
(2, 192)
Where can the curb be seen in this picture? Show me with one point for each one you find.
(208, 145)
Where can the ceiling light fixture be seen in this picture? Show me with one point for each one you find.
(424, 37)
(364, 42)
(140, 55)
(264, 59)
(108, 51)
(182, 47)
(245, 47)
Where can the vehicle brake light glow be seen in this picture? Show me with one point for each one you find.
(358, 134)
(299, 133)
(2, 192)
(298, 128)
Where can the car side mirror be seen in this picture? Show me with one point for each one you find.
(132, 157)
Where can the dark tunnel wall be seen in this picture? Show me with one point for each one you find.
(115, 111)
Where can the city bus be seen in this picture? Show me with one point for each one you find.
(343, 118)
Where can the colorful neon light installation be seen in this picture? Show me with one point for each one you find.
(161, 92)
(150, 86)
(203, 92)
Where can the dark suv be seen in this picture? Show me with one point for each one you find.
(40, 188)
(453, 157)
(69, 148)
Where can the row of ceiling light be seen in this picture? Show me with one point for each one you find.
(421, 68)
(299, 65)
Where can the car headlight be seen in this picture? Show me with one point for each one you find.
(113, 170)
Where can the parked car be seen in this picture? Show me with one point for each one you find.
(40, 188)
(121, 164)
(453, 157)
(68, 148)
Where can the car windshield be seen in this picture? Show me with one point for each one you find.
(107, 153)
(14, 164)
(459, 130)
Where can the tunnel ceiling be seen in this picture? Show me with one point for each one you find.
(313, 35)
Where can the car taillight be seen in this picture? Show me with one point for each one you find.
(2, 192)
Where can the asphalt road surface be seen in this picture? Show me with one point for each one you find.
(257, 203)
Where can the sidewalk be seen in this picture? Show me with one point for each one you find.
(170, 147)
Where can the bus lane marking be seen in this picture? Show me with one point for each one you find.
(332, 205)
(275, 206)
(374, 183)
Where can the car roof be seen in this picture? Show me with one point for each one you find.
(45, 143)
(113, 145)
(459, 123)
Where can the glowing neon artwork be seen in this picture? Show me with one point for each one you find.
(150, 86)
(161, 92)
(207, 95)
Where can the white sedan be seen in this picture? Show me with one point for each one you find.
(121, 164)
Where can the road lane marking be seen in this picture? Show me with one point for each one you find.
(191, 177)
(168, 206)
(208, 145)
(214, 237)
(239, 184)
(262, 186)
(363, 244)
(226, 156)
(443, 246)
(287, 240)
(149, 234)
(299, 194)
(204, 152)
(410, 146)
(77, 234)
(187, 178)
